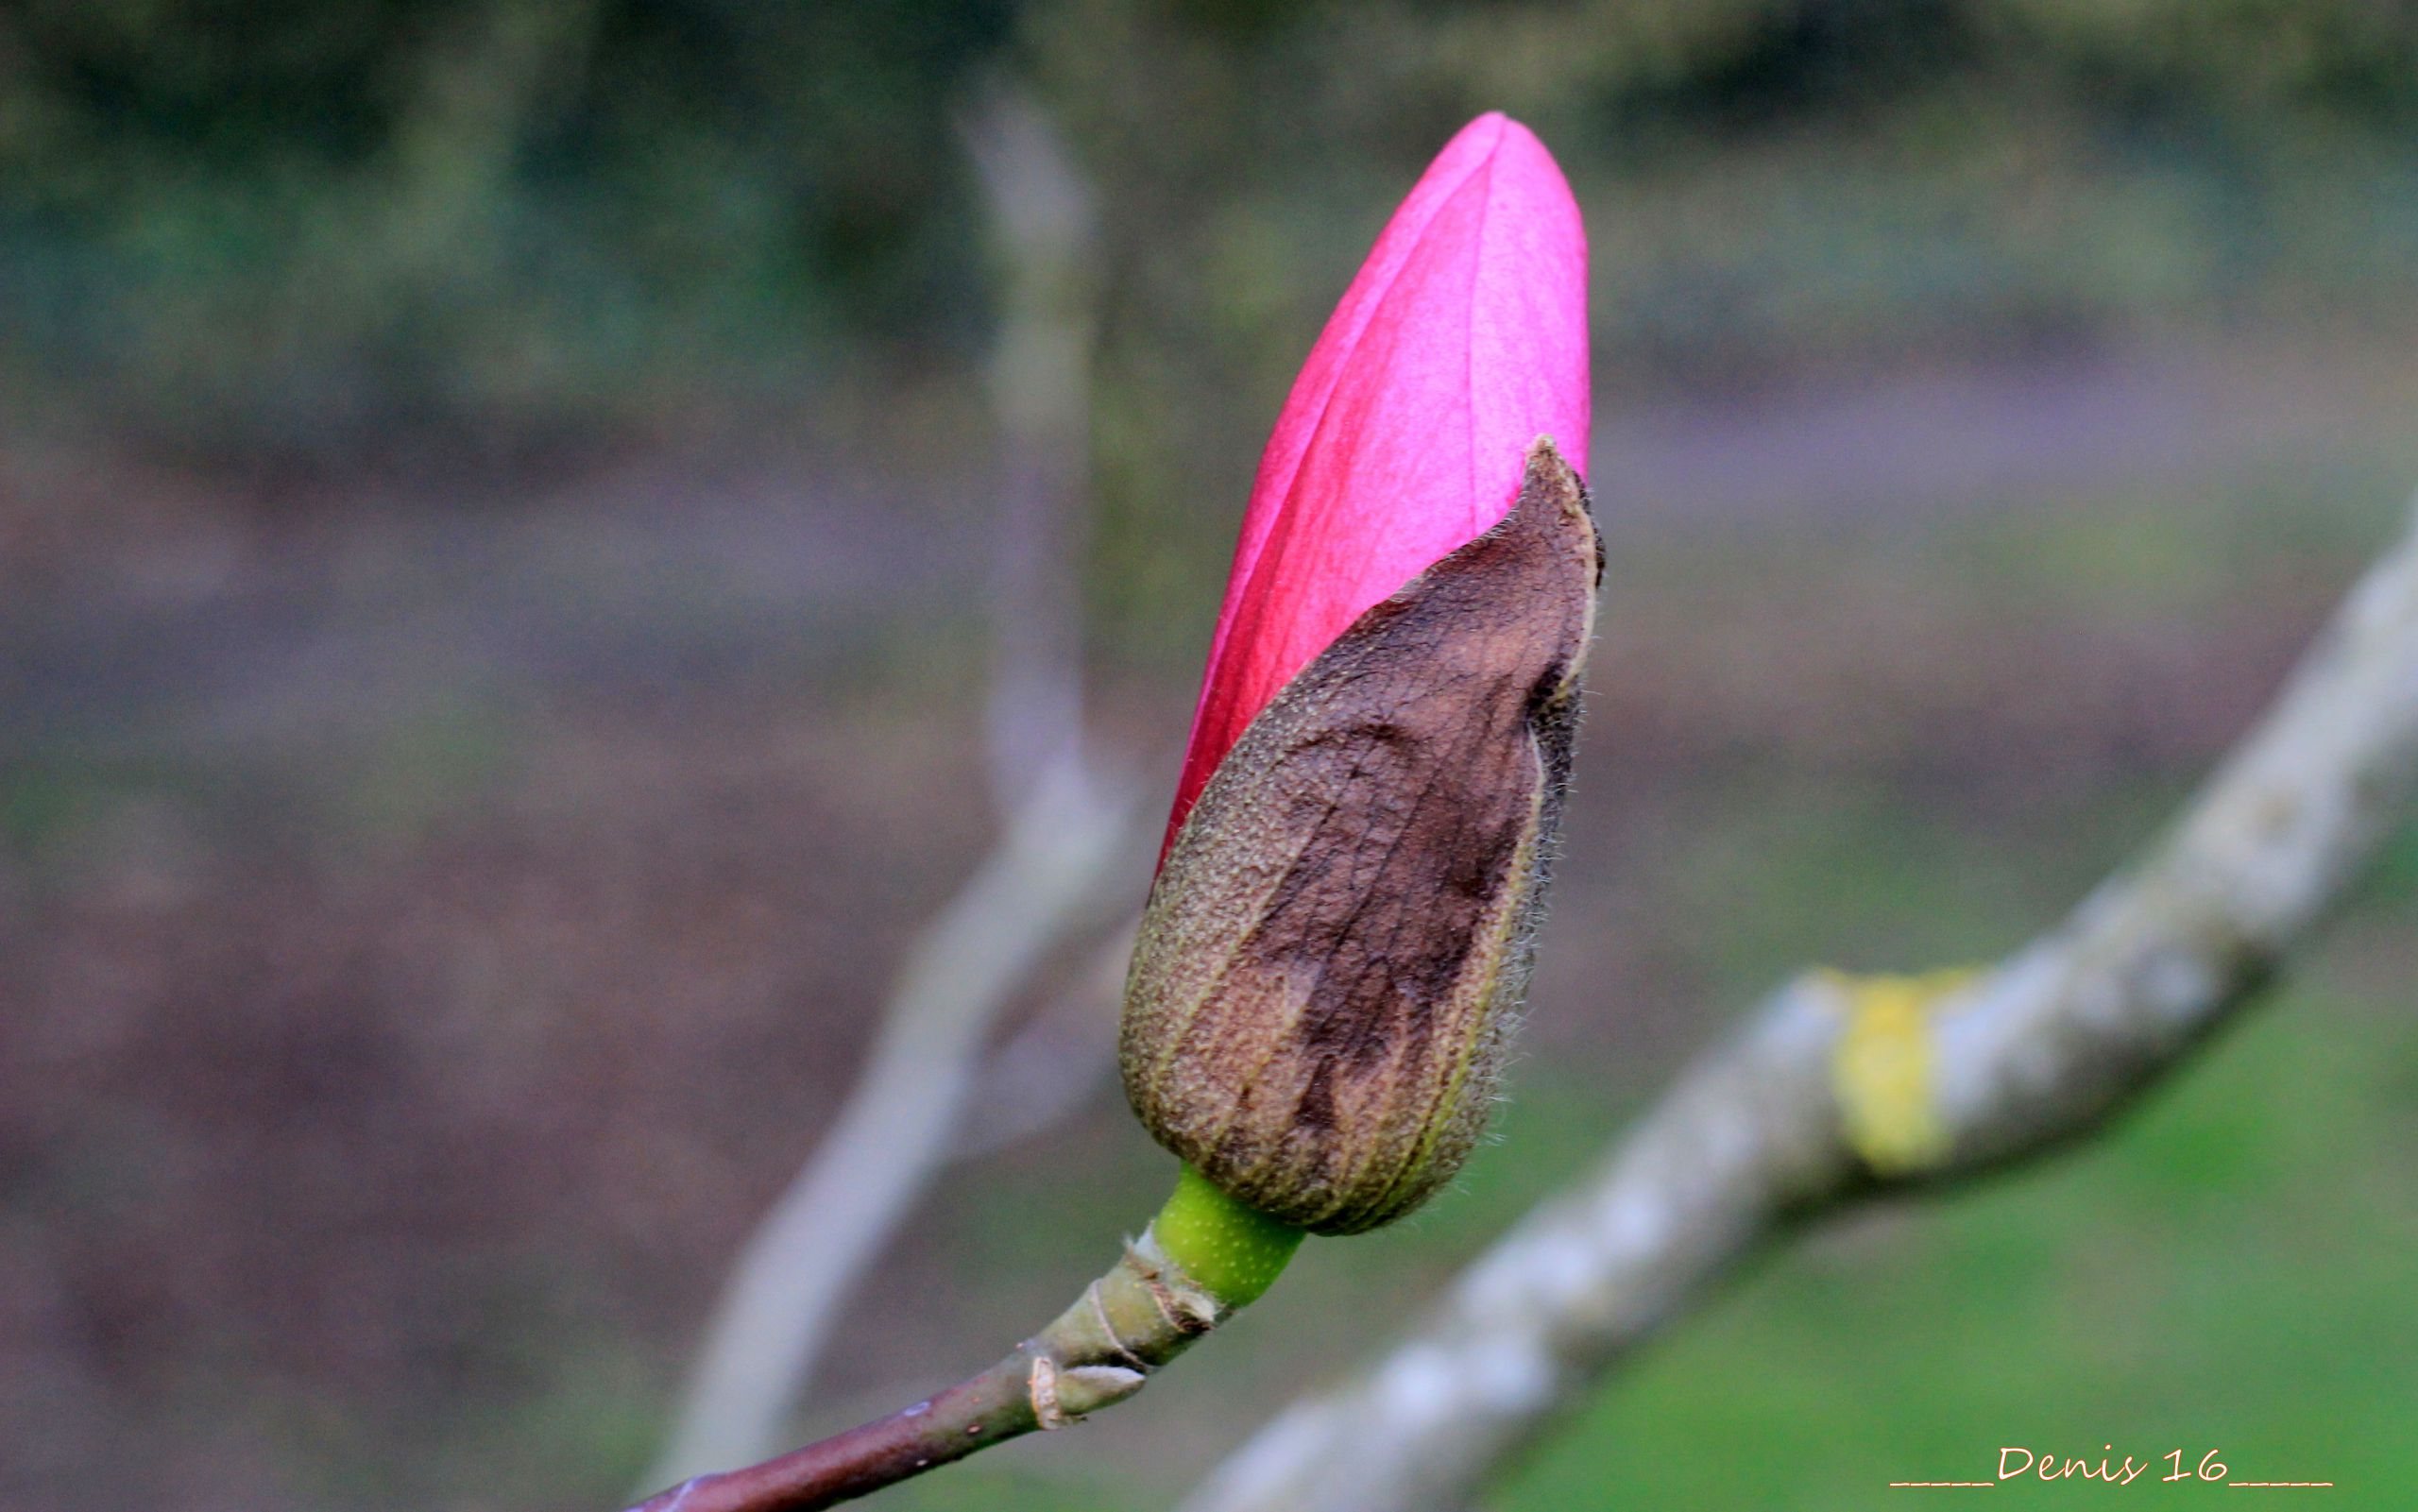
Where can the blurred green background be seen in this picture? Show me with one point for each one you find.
(496, 507)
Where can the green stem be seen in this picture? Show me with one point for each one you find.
(1234, 1252)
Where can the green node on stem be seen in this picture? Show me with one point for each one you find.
(1233, 1251)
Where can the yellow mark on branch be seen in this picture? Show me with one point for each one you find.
(1883, 1070)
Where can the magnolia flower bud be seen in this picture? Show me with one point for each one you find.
(1340, 933)
(1339, 929)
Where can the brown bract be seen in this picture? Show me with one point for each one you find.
(1332, 953)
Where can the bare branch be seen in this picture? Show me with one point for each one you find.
(1043, 233)
(1054, 871)
(1046, 1070)
(1065, 839)
(1838, 1087)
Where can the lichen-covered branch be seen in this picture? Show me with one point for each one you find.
(1838, 1086)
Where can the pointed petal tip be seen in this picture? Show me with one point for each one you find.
(1504, 136)
(1490, 124)
(1497, 141)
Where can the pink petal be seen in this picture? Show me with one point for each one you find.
(1462, 340)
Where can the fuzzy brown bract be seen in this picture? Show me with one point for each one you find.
(1335, 947)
